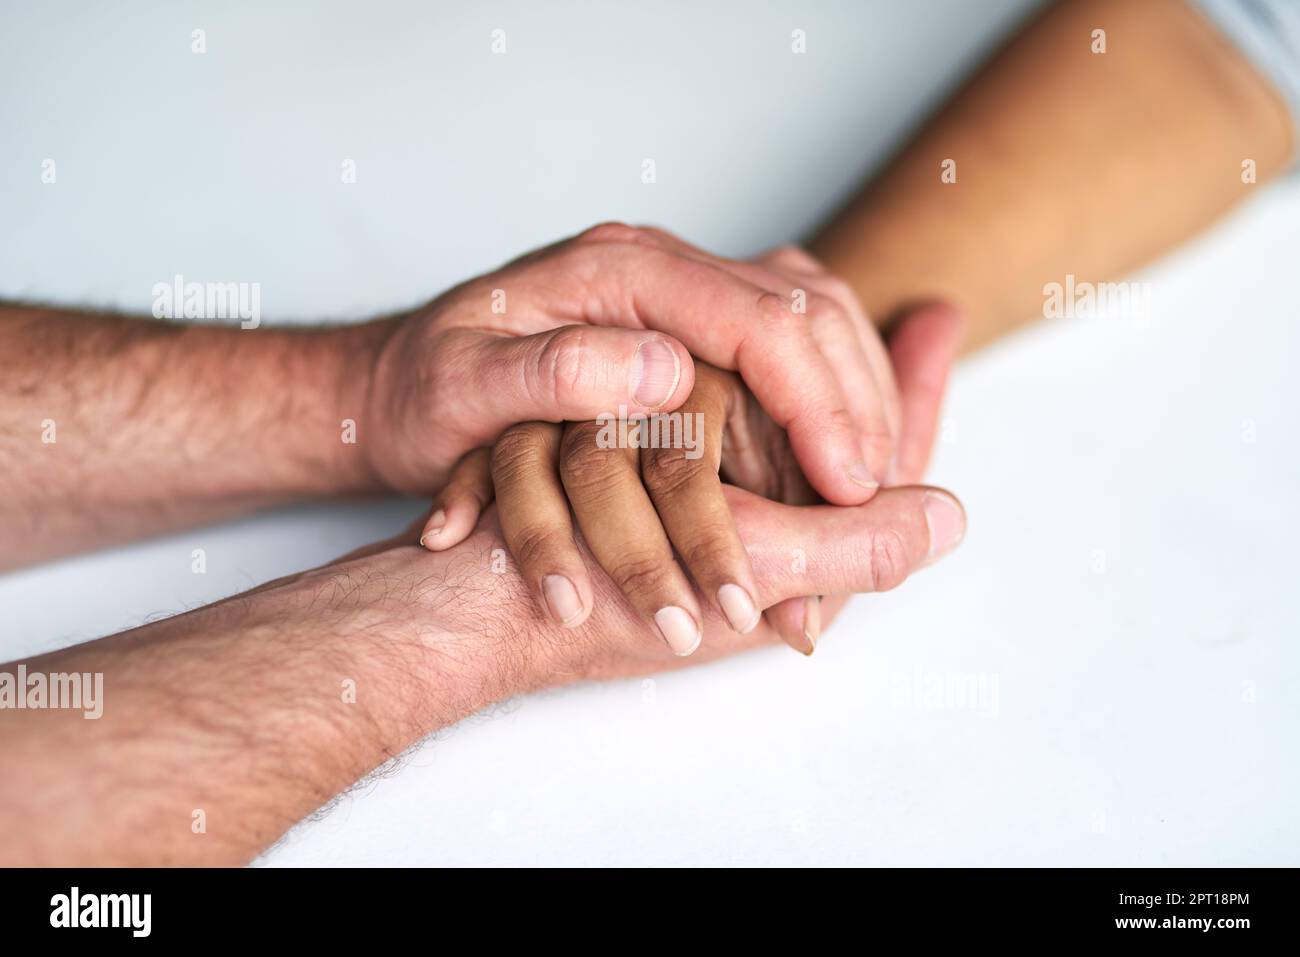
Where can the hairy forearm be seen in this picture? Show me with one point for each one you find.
(114, 427)
(1066, 161)
(222, 728)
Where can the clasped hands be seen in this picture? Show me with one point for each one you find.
(798, 486)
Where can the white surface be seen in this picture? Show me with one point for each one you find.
(1146, 713)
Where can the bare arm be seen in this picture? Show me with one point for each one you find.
(219, 729)
(112, 427)
(1066, 161)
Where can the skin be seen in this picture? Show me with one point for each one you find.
(634, 508)
(190, 423)
(1136, 158)
(1106, 160)
(1067, 161)
(238, 710)
(612, 277)
(652, 516)
(635, 531)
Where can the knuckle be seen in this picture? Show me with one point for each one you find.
(655, 234)
(828, 422)
(839, 419)
(562, 368)
(888, 563)
(877, 440)
(669, 471)
(610, 232)
(584, 464)
(775, 312)
(520, 450)
(641, 574)
(533, 545)
(796, 257)
(710, 553)
(841, 292)
(827, 314)
(833, 307)
(579, 437)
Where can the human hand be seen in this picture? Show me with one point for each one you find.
(642, 494)
(533, 477)
(468, 594)
(565, 333)
(898, 406)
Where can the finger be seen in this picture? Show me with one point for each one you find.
(866, 548)
(624, 533)
(922, 348)
(733, 324)
(458, 506)
(574, 372)
(535, 522)
(798, 621)
(840, 551)
(853, 348)
(795, 259)
(839, 327)
(851, 354)
(680, 471)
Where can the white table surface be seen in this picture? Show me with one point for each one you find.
(1125, 598)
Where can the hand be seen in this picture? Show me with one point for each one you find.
(904, 397)
(895, 390)
(890, 394)
(354, 663)
(564, 333)
(467, 594)
(635, 509)
(642, 495)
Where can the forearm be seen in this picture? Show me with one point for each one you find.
(1066, 162)
(222, 728)
(114, 427)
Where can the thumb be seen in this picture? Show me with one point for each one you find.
(831, 549)
(922, 349)
(578, 372)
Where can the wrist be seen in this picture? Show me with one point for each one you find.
(291, 404)
(350, 355)
(433, 634)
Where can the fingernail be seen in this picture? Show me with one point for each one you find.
(679, 629)
(739, 608)
(656, 371)
(946, 521)
(861, 475)
(812, 621)
(436, 521)
(561, 599)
